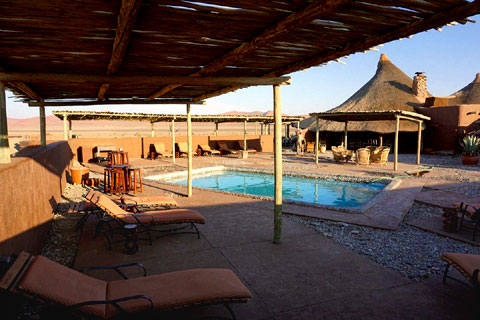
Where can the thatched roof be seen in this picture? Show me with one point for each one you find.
(389, 89)
(153, 50)
(468, 95)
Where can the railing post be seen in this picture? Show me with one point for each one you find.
(189, 147)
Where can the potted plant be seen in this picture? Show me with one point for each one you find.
(470, 150)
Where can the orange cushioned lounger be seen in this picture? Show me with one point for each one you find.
(467, 264)
(147, 221)
(92, 297)
(152, 201)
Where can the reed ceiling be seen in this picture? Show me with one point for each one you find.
(238, 38)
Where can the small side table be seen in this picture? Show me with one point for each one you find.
(131, 245)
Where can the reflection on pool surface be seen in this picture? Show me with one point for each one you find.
(317, 191)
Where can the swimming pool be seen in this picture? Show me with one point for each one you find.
(297, 189)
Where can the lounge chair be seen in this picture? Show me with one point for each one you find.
(128, 203)
(206, 150)
(146, 221)
(158, 150)
(467, 264)
(242, 147)
(471, 211)
(182, 148)
(50, 283)
(224, 148)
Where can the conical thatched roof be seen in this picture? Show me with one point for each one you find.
(468, 95)
(389, 89)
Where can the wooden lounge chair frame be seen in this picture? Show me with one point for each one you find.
(120, 227)
(159, 151)
(205, 148)
(17, 269)
(473, 278)
(183, 149)
(224, 147)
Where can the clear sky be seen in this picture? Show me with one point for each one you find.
(450, 58)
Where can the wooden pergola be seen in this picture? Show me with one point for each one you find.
(152, 51)
(395, 115)
(69, 116)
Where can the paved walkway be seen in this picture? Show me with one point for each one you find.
(306, 277)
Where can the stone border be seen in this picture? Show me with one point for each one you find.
(391, 184)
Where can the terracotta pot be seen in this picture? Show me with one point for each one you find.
(79, 175)
(470, 160)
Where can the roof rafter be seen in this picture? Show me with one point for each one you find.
(140, 79)
(435, 20)
(23, 88)
(126, 21)
(293, 21)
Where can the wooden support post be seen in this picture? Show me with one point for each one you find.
(345, 135)
(381, 140)
(277, 107)
(256, 127)
(316, 140)
(397, 129)
(4, 146)
(288, 130)
(70, 133)
(173, 140)
(189, 147)
(153, 129)
(245, 135)
(43, 127)
(261, 128)
(269, 132)
(419, 141)
(216, 128)
(65, 127)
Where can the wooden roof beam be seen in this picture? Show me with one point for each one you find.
(20, 86)
(108, 102)
(126, 21)
(294, 21)
(141, 79)
(435, 20)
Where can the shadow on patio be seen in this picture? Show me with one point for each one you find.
(306, 277)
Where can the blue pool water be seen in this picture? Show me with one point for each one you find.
(317, 191)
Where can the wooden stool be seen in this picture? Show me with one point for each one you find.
(134, 181)
(118, 184)
(107, 180)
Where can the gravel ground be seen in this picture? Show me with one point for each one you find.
(62, 240)
(409, 251)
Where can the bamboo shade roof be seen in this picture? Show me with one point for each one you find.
(133, 43)
(94, 115)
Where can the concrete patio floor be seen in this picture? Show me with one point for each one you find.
(307, 276)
